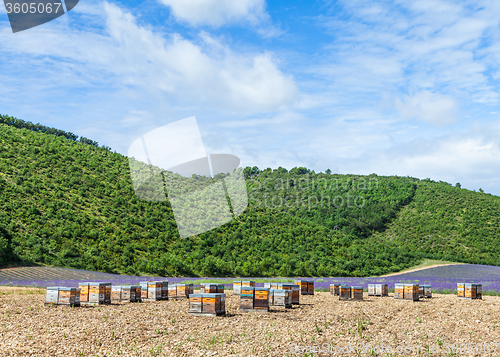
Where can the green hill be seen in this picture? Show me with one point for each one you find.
(65, 201)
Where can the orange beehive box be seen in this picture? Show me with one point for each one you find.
(344, 292)
(334, 289)
(472, 291)
(184, 290)
(84, 292)
(154, 290)
(411, 292)
(209, 288)
(357, 292)
(399, 291)
(67, 296)
(261, 299)
(303, 286)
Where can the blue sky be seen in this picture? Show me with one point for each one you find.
(388, 87)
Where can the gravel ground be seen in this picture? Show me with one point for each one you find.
(163, 328)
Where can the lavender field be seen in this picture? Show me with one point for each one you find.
(442, 279)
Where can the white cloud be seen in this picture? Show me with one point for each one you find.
(471, 157)
(392, 47)
(204, 74)
(432, 108)
(217, 13)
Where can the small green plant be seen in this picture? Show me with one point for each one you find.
(318, 330)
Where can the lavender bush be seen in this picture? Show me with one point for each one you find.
(442, 279)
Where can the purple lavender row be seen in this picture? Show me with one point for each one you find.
(440, 278)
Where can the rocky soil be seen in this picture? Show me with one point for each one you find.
(322, 325)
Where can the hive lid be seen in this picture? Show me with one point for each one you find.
(356, 287)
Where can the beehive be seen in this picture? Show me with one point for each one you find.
(411, 292)
(144, 290)
(97, 294)
(344, 292)
(357, 292)
(261, 299)
(210, 303)
(116, 293)
(107, 293)
(237, 287)
(279, 297)
(295, 290)
(66, 296)
(220, 290)
(461, 290)
(127, 293)
(222, 302)
(399, 291)
(164, 290)
(172, 291)
(77, 296)
(268, 285)
(138, 293)
(52, 296)
(378, 290)
(207, 304)
(195, 304)
(208, 288)
(303, 286)
(184, 290)
(427, 291)
(310, 287)
(479, 291)
(247, 295)
(424, 291)
(334, 289)
(84, 292)
(472, 291)
(154, 290)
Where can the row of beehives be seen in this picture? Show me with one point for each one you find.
(469, 291)
(280, 295)
(402, 291)
(303, 287)
(251, 299)
(104, 293)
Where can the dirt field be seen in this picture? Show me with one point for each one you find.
(29, 328)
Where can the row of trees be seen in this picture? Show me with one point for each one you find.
(19, 123)
(66, 203)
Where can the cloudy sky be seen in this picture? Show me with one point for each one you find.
(407, 88)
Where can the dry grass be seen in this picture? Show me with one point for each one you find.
(29, 328)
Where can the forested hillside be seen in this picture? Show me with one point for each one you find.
(68, 202)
